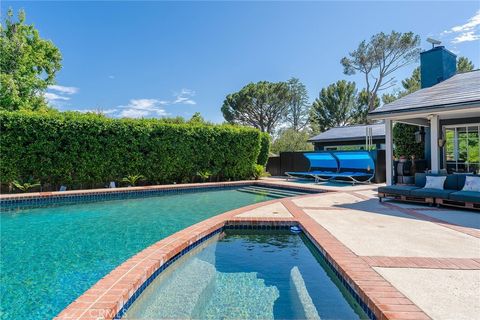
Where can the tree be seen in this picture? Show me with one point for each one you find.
(262, 105)
(361, 110)
(335, 106)
(412, 83)
(464, 65)
(28, 65)
(379, 58)
(291, 140)
(297, 116)
(198, 119)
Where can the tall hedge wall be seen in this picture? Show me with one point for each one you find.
(264, 149)
(90, 150)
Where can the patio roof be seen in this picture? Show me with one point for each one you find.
(350, 133)
(459, 92)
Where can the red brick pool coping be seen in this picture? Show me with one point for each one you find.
(108, 295)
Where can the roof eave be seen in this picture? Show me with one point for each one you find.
(415, 111)
(380, 137)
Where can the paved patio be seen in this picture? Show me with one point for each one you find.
(430, 255)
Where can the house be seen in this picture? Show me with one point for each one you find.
(448, 108)
(354, 137)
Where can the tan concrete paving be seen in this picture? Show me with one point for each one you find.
(369, 228)
(393, 234)
(275, 210)
(460, 217)
(442, 294)
(334, 199)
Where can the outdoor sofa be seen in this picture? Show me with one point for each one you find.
(451, 194)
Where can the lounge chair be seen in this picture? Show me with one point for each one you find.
(354, 166)
(323, 166)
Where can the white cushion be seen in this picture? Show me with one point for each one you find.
(472, 183)
(435, 182)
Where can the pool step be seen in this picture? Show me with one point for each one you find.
(276, 193)
(178, 295)
(241, 295)
(301, 296)
(279, 190)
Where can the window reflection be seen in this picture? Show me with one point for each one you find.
(462, 148)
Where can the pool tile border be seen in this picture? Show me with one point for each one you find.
(110, 295)
(39, 199)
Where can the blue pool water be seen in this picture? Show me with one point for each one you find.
(248, 274)
(51, 255)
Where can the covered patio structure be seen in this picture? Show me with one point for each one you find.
(449, 112)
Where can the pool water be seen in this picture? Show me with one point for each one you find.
(51, 255)
(248, 275)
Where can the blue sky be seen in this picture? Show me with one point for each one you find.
(176, 58)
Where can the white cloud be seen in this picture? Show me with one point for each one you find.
(469, 31)
(143, 108)
(184, 97)
(97, 110)
(466, 37)
(63, 90)
(111, 77)
(133, 113)
(51, 97)
(59, 95)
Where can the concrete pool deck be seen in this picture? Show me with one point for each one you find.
(405, 261)
(431, 255)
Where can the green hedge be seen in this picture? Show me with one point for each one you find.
(87, 150)
(404, 141)
(264, 149)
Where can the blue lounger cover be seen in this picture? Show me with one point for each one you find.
(355, 165)
(321, 165)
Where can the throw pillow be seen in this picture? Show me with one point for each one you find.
(435, 182)
(472, 183)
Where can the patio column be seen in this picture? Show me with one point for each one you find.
(434, 149)
(388, 152)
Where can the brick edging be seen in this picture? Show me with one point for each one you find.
(107, 297)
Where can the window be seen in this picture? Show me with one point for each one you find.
(462, 148)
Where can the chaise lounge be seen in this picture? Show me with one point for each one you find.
(351, 166)
(322, 166)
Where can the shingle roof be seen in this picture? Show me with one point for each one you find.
(350, 133)
(461, 89)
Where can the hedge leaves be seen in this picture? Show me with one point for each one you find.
(87, 150)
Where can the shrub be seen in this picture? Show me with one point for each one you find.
(404, 140)
(25, 186)
(87, 150)
(204, 175)
(133, 179)
(264, 149)
(258, 171)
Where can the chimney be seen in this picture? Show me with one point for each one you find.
(436, 65)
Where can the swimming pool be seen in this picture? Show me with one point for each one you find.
(51, 255)
(248, 274)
